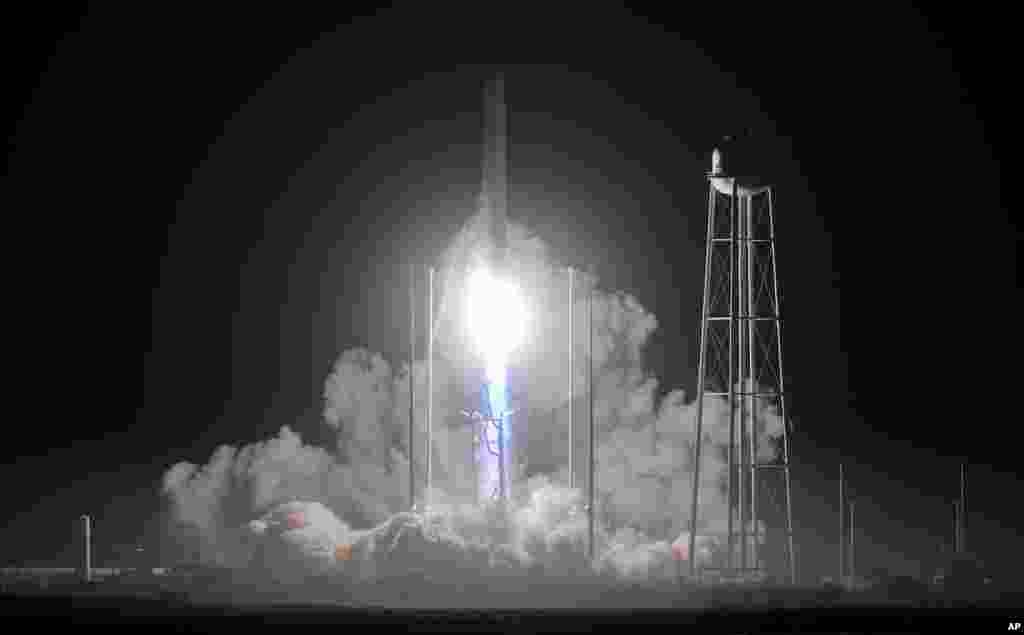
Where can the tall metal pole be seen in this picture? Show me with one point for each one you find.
(691, 554)
(956, 527)
(572, 373)
(737, 402)
(430, 382)
(963, 507)
(853, 560)
(735, 445)
(751, 361)
(842, 527)
(782, 392)
(87, 547)
(412, 383)
(592, 433)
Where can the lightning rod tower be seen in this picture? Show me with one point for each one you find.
(741, 362)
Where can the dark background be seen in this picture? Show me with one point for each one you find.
(204, 209)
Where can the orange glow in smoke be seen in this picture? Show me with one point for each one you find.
(343, 552)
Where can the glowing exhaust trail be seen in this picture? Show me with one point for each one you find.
(497, 323)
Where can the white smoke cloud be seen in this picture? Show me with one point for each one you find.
(644, 455)
(487, 554)
(289, 550)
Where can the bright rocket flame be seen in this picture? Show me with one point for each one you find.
(497, 320)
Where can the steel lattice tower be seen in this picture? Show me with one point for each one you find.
(741, 361)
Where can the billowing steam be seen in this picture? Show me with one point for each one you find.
(292, 510)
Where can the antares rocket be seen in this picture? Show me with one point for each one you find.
(493, 447)
(494, 188)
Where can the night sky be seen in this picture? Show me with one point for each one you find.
(206, 209)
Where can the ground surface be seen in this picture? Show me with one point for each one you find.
(95, 609)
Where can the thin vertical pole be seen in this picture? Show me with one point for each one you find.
(842, 523)
(572, 372)
(412, 382)
(782, 391)
(963, 507)
(956, 527)
(430, 382)
(738, 403)
(735, 499)
(752, 388)
(592, 434)
(700, 393)
(87, 547)
(853, 560)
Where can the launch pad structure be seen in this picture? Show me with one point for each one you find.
(741, 361)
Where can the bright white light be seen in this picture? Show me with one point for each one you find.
(497, 317)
